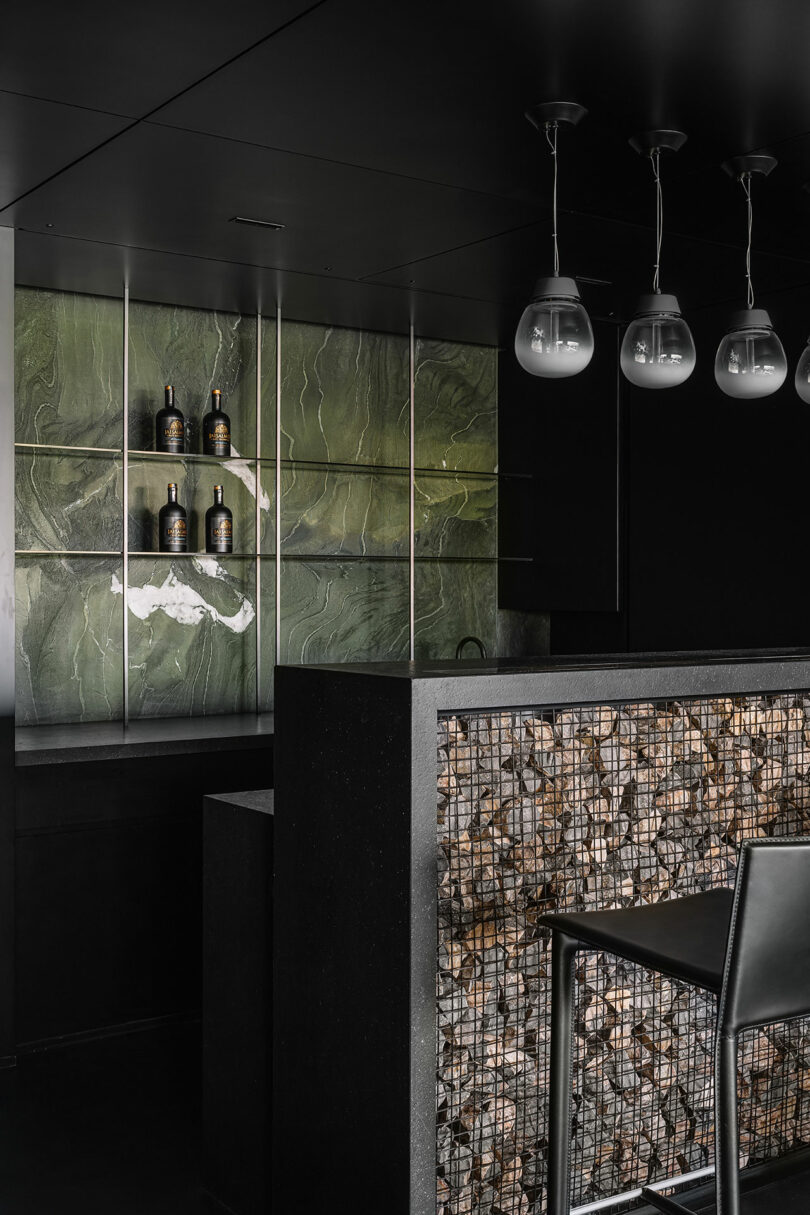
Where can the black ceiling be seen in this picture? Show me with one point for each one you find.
(390, 140)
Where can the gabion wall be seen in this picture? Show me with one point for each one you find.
(605, 806)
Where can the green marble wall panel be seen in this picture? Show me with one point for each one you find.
(68, 501)
(69, 368)
(195, 351)
(268, 626)
(69, 639)
(455, 516)
(455, 406)
(334, 611)
(195, 479)
(454, 600)
(344, 395)
(193, 626)
(192, 636)
(268, 437)
(340, 511)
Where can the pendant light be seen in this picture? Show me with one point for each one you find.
(802, 377)
(554, 337)
(657, 349)
(750, 360)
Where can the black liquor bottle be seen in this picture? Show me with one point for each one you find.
(218, 526)
(173, 533)
(216, 428)
(169, 426)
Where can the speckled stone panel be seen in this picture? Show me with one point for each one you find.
(69, 640)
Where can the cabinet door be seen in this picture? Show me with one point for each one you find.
(559, 488)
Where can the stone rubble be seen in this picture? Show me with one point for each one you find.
(600, 806)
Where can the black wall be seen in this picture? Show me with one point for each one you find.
(713, 532)
(108, 887)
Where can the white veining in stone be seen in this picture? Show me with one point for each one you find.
(182, 602)
(247, 476)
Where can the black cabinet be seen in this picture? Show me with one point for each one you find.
(559, 501)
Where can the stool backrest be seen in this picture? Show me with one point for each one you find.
(767, 972)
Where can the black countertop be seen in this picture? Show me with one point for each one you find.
(569, 679)
(465, 667)
(84, 741)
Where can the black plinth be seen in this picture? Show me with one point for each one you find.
(237, 999)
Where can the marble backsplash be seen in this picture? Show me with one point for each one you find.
(194, 623)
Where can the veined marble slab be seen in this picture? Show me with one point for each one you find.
(455, 516)
(68, 502)
(195, 351)
(334, 612)
(454, 600)
(344, 395)
(192, 635)
(338, 511)
(69, 640)
(69, 368)
(456, 406)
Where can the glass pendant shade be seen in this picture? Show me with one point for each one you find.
(657, 350)
(802, 379)
(750, 360)
(554, 337)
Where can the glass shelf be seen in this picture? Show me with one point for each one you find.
(197, 456)
(286, 461)
(315, 558)
(158, 553)
(68, 552)
(70, 448)
(340, 465)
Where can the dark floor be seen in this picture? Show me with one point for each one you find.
(109, 1127)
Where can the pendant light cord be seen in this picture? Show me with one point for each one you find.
(655, 160)
(551, 139)
(745, 182)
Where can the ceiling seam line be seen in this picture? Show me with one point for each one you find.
(156, 109)
(222, 261)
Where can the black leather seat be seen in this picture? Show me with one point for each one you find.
(685, 938)
(750, 946)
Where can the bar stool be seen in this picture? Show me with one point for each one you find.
(750, 946)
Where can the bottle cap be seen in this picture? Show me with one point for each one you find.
(217, 487)
(172, 485)
(216, 392)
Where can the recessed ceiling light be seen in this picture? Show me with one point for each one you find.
(256, 223)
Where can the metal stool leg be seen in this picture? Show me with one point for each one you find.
(563, 953)
(726, 1124)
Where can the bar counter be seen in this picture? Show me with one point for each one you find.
(429, 813)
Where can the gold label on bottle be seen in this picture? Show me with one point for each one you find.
(176, 530)
(223, 530)
(219, 433)
(173, 429)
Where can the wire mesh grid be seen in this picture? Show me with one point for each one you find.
(584, 807)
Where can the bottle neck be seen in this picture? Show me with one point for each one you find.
(172, 493)
(216, 401)
(169, 390)
(217, 495)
